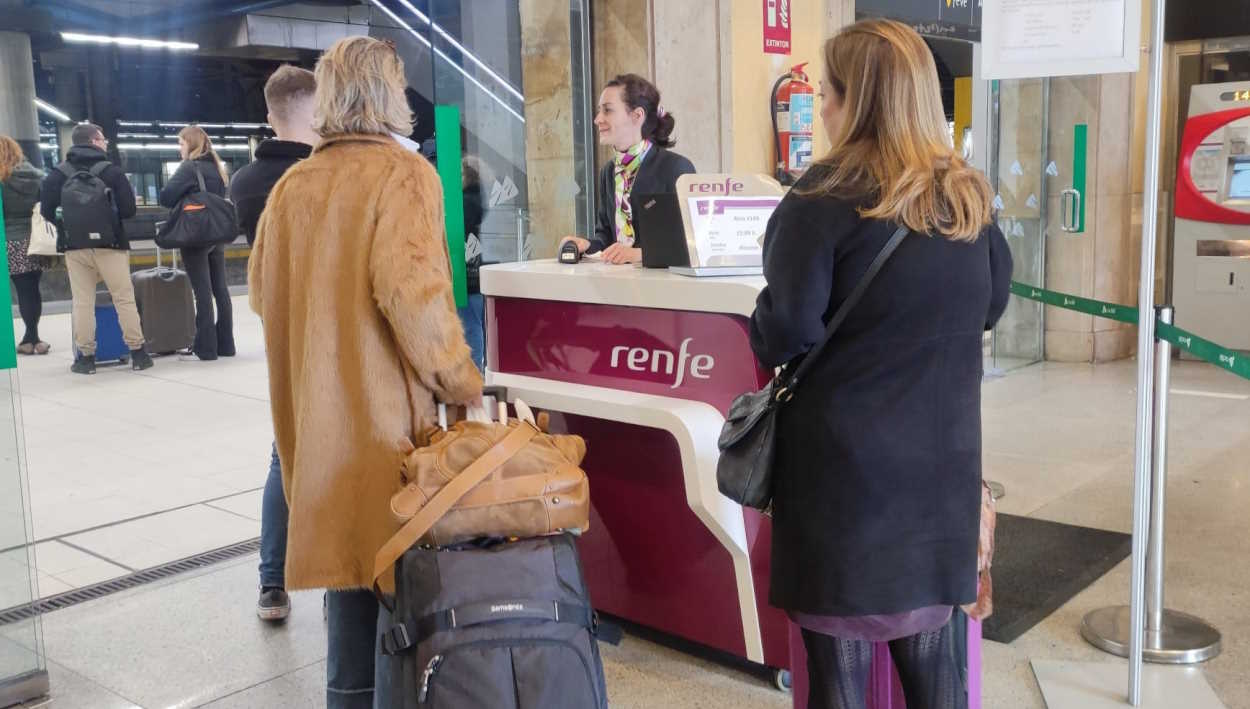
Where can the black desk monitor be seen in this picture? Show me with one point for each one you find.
(659, 230)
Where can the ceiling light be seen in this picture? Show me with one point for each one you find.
(127, 41)
(52, 111)
(173, 147)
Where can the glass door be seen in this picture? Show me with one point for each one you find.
(23, 670)
(1018, 163)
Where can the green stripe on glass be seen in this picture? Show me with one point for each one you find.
(8, 346)
(1080, 139)
(447, 145)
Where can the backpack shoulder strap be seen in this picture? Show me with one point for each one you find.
(98, 169)
(67, 168)
(448, 496)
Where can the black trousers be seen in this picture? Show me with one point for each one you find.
(206, 268)
(838, 671)
(29, 304)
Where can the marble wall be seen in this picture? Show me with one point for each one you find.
(549, 156)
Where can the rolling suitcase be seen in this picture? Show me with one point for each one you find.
(109, 344)
(166, 307)
(884, 690)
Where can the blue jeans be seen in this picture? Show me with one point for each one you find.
(473, 318)
(354, 663)
(273, 520)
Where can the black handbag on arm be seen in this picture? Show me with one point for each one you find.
(744, 473)
(201, 219)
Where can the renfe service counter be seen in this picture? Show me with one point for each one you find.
(643, 364)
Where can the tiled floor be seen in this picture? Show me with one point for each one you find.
(130, 470)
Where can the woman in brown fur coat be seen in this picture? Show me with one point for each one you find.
(350, 275)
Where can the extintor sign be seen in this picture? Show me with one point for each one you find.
(776, 26)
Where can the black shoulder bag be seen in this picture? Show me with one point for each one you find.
(744, 473)
(201, 219)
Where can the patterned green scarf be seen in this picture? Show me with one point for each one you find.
(627, 164)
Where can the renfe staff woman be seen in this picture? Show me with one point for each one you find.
(631, 120)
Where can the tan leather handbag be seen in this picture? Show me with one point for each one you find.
(488, 480)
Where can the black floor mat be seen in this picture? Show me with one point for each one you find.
(1040, 565)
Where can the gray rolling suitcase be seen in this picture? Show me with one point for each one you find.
(166, 307)
(493, 626)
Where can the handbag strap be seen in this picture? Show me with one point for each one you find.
(448, 496)
(790, 384)
(199, 176)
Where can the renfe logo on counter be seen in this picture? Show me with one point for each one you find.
(641, 359)
(729, 186)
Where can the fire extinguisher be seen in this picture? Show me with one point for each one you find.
(792, 106)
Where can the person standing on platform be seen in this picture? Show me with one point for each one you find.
(877, 473)
(94, 241)
(631, 120)
(351, 278)
(289, 98)
(206, 265)
(19, 181)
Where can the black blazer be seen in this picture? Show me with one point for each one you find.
(183, 181)
(657, 174)
(878, 462)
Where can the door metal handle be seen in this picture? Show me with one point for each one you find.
(1070, 219)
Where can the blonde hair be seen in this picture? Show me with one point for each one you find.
(11, 156)
(360, 89)
(893, 145)
(199, 145)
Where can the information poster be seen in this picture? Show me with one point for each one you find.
(1036, 38)
(725, 217)
(729, 230)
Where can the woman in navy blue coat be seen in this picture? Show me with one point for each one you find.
(878, 468)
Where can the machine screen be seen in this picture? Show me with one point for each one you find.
(1239, 179)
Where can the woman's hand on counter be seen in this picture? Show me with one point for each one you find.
(620, 254)
(582, 244)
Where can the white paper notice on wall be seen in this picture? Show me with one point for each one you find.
(1035, 38)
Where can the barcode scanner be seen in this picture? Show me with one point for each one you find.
(569, 253)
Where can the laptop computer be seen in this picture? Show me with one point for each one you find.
(659, 231)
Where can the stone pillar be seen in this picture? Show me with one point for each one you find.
(18, 118)
(549, 135)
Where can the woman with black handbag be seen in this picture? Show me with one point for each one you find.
(206, 265)
(876, 469)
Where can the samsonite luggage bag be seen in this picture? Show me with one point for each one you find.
(166, 307)
(506, 625)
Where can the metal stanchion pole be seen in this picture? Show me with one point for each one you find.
(1171, 637)
(1095, 627)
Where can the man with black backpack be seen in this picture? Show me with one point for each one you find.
(94, 197)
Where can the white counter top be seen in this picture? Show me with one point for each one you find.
(600, 283)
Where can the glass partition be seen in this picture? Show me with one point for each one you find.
(23, 672)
